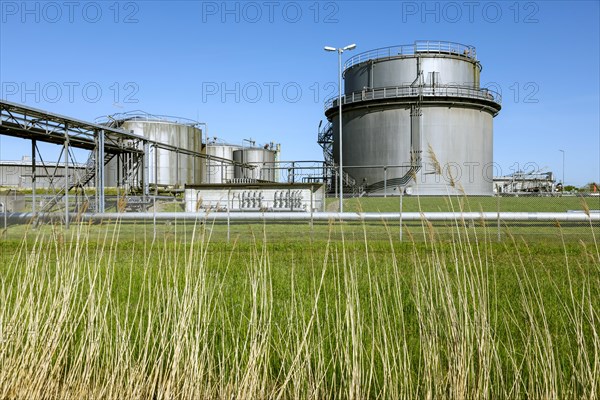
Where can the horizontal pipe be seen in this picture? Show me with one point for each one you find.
(21, 218)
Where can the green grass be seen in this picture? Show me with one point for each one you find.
(106, 312)
(470, 203)
(292, 232)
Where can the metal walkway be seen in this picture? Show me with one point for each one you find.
(104, 143)
(31, 123)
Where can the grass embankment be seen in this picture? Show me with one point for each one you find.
(116, 317)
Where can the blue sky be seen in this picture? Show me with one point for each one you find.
(258, 70)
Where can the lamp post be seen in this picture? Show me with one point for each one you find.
(341, 175)
(563, 170)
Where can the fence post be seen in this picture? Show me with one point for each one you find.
(498, 214)
(401, 191)
(153, 218)
(228, 210)
(5, 211)
(311, 210)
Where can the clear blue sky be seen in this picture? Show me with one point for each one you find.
(258, 69)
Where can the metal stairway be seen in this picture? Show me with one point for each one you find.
(325, 140)
(88, 175)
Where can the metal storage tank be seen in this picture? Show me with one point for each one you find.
(166, 167)
(217, 170)
(415, 116)
(263, 160)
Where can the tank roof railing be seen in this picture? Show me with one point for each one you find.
(419, 46)
(394, 92)
(139, 115)
(217, 141)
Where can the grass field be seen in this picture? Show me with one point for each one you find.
(304, 233)
(469, 203)
(107, 312)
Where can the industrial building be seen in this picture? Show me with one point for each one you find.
(526, 183)
(414, 116)
(258, 197)
(17, 174)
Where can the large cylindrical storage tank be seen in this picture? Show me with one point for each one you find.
(261, 163)
(217, 169)
(169, 166)
(415, 116)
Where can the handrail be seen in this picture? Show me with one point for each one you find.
(392, 92)
(420, 46)
(139, 115)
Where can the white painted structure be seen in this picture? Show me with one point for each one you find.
(260, 197)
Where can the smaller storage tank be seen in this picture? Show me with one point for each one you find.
(261, 164)
(217, 170)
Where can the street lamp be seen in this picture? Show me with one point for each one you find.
(341, 175)
(563, 171)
